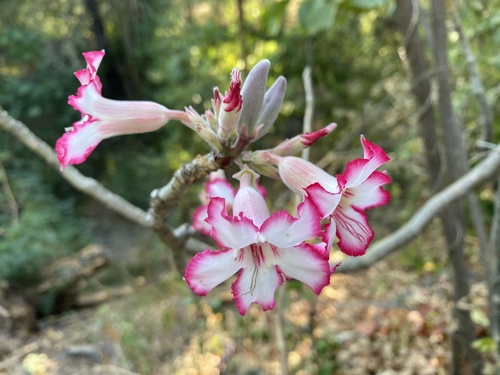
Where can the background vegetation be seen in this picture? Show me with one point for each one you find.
(174, 52)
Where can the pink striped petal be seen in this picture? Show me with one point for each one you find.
(283, 230)
(353, 230)
(305, 264)
(329, 235)
(256, 284)
(229, 232)
(209, 268)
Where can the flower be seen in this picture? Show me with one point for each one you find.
(342, 199)
(104, 118)
(362, 189)
(216, 186)
(264, 249)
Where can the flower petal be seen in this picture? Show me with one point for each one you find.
(251, 204)
(283, 230)
(230, 232)
(76, 145)
(209, 268)
(297, 174)
(358, 170)
(256, 284)
(372, 151)
(199, 223)
(220, 187)
(353, 230)
(305, 264)
(369, 193)
(329, 235)
(325, 201)
(89, 74)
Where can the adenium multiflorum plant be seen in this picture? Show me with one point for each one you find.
(262, 247)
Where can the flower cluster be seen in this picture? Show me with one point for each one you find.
(263, 248)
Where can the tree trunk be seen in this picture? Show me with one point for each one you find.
(453, 218)
(454, 226)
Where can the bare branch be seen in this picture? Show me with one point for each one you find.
(476, 82)
(482, 172)
(308, 113)
(11, 199)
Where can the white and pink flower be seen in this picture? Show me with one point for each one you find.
(104, 118)
(342, 199)
(264, 249)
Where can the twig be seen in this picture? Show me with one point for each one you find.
(11, 199)
(309, 110)
(13, 358)
(486, 112)
(279, 331)
(482, 172)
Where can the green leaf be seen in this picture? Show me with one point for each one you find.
(367, 4)
(317, 15)
(274, 16)
(485, 345)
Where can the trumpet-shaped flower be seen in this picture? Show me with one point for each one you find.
(263, 249)
(342, 199)
(103, 118)
(362, 189)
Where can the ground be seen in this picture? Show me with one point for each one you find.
(371, 322)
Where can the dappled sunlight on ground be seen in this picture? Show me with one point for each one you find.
(379, 321)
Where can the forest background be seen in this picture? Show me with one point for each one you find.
(174, 53)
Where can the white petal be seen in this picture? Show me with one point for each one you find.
(256, 284)
(283, 230)
(369, 193)
(209, 268)
(229, 232)
(305, 264)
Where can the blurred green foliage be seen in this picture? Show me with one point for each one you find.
(174, 52)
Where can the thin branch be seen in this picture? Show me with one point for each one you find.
(476, 82)
(11, 199)
(482, 172)
(309, 111)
